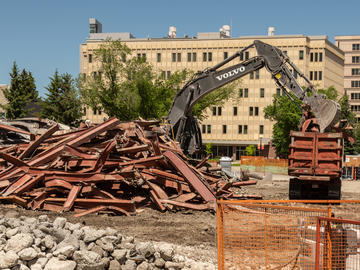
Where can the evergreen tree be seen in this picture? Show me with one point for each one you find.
(62, 102)
(21, 93)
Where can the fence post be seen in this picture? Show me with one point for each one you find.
(220, 235)
(266, 256)
(317, 252)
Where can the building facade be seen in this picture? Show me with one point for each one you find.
(351, 47)
(239, 122)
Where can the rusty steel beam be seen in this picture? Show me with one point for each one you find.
(102, 208)
(38, 141)
(133, 149)
(58, 183)
(124, 204)
(164, 174)
(203, 190)
(29, 184)
(76, 152)
(13, 160)
(205, 206)
(14, 199)
(185, 197)
(157, 201)
(16, 130)
(171, 184)
(244, 183)
(74, 192)
(21, 181)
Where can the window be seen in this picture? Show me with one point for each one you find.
(158, 57)
(262, 92)
(355, 71)
(225, 55)
(245, 129)
(246, 55)
(278, 91)
(189, 57)
(213, 110)
(251, 75)
(241, 92)
(240, 129)
(219, 111)
(210, 56)
(356, 47)
(208, 129)
(204, 57)
(355, 83)
(320, 75)
(261, 129)
(251, 111)
(285, 52)
(168, 73)
(194, 57)
(173, 58)
(315, 75)
(90, 58)
(246, 93)
(163, 74)
(257, 74)
(320, 57)
(311, 75)
(224, 129)
(144, 56)
(355, 95)
(355, 59)
(316, 57)
(311, 57)
(256, 111)
(355, 108)
(179, 57)
(235, 111)
(301, 55)
(94, 74)
(241, 56)
(203, 128)
(84, 111)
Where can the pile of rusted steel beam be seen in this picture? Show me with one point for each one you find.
(111, 167)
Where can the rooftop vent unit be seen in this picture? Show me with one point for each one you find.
(172, 32)
(271, 31)
(225, 31)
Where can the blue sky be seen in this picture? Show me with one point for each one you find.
(42, 36)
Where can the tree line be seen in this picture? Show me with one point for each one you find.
(128, 87)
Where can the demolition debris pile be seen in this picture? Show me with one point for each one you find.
(111, 167)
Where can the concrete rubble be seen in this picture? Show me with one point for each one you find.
(60, 245)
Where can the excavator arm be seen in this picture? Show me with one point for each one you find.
(185, 126)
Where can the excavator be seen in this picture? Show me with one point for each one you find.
(317, 110)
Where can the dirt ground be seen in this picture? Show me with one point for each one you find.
(193, 228)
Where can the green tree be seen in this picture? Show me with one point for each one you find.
(250, 150)
(128, 87)
(287, 117)
(62, 102)
(21, 93)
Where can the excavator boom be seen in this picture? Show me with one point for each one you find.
(185, 126)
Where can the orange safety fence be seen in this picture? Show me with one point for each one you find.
(262, 164)
(338, 244)
(275, 235)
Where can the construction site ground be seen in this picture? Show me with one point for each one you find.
(194, 231)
